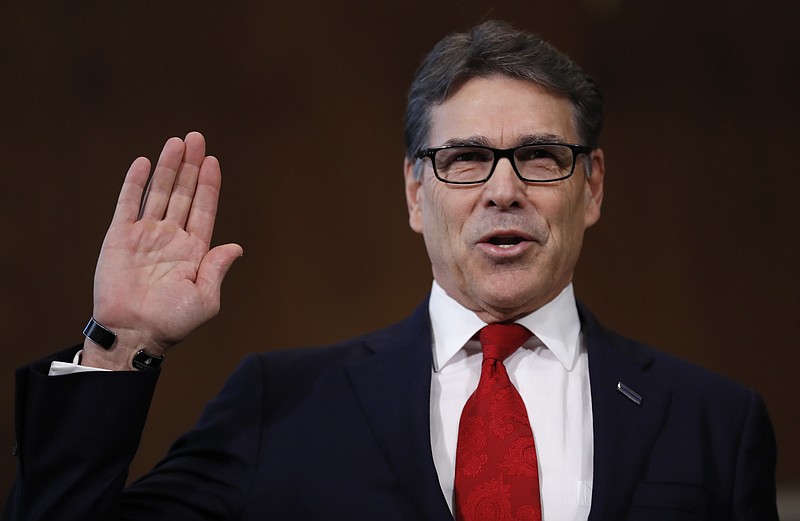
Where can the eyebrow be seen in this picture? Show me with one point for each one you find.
(537, 139)
(471, 141)
(483, 141)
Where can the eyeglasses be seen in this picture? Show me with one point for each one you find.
(542, 163)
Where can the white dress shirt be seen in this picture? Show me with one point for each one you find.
(551, 373)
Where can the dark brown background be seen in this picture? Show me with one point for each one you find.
(697, 251)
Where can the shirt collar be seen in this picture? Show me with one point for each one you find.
(556, 325)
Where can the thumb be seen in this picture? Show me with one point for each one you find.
(215, 266)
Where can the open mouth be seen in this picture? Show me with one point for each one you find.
(505, 241)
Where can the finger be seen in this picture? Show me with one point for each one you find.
(183, 189)
(130, 196)
(204, 205)
(160, 186)
(214, 267)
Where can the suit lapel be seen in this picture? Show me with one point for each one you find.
(624, 430)
(393, 388)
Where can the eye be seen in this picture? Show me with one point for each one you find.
(544, 156)
(535, 152)
(468, 154)
(459, 158)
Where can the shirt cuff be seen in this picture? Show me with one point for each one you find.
(63, 368)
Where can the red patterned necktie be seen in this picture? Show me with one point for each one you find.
(497, 474)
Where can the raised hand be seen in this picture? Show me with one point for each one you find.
(156, 279)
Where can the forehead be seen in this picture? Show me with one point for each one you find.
(503, 112)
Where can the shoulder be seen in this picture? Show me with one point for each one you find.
(697, 403)
(306, 364)
(682, 377)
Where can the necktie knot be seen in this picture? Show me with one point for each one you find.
(498, 340)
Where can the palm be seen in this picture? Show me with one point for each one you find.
(156, 277)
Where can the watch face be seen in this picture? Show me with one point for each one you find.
(144, 362)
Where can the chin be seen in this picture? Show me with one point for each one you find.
(514, 296)
(512, 301)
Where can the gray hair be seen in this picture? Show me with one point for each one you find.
(495, 47)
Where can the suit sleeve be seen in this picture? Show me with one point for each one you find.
(76, 436)
(754, 488)
(208, 472)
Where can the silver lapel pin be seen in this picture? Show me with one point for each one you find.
(629, 393)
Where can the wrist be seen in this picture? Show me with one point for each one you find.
(116, 359)
(104, 349)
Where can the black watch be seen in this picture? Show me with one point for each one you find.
(146, 362)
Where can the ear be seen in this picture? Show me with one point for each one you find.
(413, 196)
(594, 185)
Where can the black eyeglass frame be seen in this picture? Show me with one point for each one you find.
(500, 153)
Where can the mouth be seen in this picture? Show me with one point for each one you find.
(506, 243)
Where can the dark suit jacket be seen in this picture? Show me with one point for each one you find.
(342, 432)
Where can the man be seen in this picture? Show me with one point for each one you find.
(502, 176)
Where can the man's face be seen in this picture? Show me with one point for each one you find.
(505, 247)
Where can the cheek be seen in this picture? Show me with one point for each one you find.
(443, 224)
(437, 225)
(566, 219)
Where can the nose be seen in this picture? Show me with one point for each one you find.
(504, 189)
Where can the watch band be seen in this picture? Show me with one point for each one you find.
(146, 362)
(99, 334)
